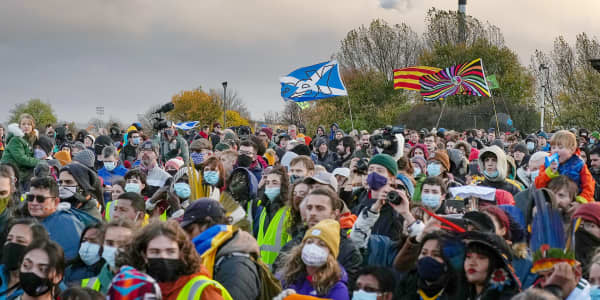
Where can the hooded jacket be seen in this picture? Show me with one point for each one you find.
(500, 181)
(19, 152)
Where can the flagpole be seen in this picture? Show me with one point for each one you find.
(350, 108)
(441, 112)
(495, 113)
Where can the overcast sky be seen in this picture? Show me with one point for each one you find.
(127, 55)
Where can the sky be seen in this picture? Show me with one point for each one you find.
(130, 55)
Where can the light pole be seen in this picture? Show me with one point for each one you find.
(544, 87)
(224, 99)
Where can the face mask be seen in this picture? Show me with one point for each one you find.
(376, 181)
(132, 188)
(362, 295)
(164, 269)
(211, 177)
(89, 253)
(314, 256)
(197, 158)
(430, 269)
(170, 132)
(534, 175)
(136, 141)
(4, 203)
(434, 169)
(272, 193)
(109, 253)
(34, 285)
(182, 190)
(66, 192)
(11, 255)
(295, 178)
(244, 161)
(595, 292)
(39, 153)
(172, 172)
(417, 172)
(530, 146)
(430, 200)
(110, 165)
(491, 175)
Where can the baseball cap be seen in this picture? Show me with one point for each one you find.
(200, 209)
(323, 178)
(342, 172)
(148, 146)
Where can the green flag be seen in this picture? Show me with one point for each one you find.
(492, 82)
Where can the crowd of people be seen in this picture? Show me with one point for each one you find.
(227, 213)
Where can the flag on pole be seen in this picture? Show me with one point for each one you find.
(408, 78)
(187, 125)
(314, 82)
(463, 79)
(492, 82)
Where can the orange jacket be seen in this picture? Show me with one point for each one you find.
(588, 184)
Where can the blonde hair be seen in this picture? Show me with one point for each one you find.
(322, 281)
(31, 137)
(564, 138)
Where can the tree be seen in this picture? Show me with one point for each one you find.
(195, 105)
(234, 102)
(380, 47)
(42, 112)
(272, 117)
(235, 119)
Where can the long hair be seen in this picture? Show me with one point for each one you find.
(215, 164)
(30, 137)
(56, 258)
(326, 277)
(135, 252)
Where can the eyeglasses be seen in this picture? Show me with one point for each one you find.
(38, 198)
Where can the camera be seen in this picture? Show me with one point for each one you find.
(394, 198)
(362, 166)
(159, 124)
(387, 141)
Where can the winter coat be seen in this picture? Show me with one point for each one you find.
(377, 250)
(110, 176)
(329, 160)
(500, 181)
(171, 149)
(576, 170)
(409, 286)
(389, 224)
(19, 152)
(129, 153)
(65, 227)
(78, 270)
(338, 292)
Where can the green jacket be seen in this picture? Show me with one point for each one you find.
(179, 148)
(19, 152)
(416, 198)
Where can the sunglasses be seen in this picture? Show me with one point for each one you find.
(38, 198)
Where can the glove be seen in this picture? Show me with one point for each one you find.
(284, 294)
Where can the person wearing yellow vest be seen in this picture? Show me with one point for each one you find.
(117, 235)
(270, 215)
(163, 251)
(129, 206)
(229, 254)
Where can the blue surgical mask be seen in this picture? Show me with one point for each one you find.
(110, 165)
(197, 158)
(182, 190)
(89, 253)
(362, 295)
(39, 153)
(109, 253)
(595, 292)
(136, 141)
(434, 169)
(490, 175)
(211, 177)
(431, 200)
(417, 172)
(272, 192)
(534, 174)
(530, 146)
(132, 188)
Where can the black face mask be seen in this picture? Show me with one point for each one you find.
(173, 172)
(34, 285)
(244, 161)
(164, 269)
(11, 255)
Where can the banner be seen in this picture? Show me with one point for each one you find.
(314, 82)
(463, 79)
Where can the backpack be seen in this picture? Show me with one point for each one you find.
(270, 286)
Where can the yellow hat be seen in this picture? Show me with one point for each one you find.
(327, 231)
(63, 157)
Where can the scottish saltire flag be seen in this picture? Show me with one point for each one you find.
(187, 125)
(463, 79)
(314, 82)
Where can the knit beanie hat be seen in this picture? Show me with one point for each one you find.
(502, 218)
(200, 144)
(588, 212)
(130, 283)
(175, 163)
(86, 157)
(387, 161)
(222, 147)
(327, 231)
(596, 135)
(521, 148)
(63, 157)
(443, 158)
(268, 131)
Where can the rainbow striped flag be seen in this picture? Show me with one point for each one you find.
(408, 78)
(463, 79)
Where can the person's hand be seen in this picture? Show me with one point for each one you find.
(573, 206)
(376, 207)
(430, 226)
(353, 163)
(564, 276)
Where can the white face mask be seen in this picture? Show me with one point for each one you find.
(314, 255)
(66, 192)
(362, 295)
(109, 253)
(89, 253)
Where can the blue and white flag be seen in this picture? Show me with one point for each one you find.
(187, 125)
(315, 82)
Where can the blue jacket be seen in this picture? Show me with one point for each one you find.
(109, 176)
(338, 292)
(65, 227)
(5, 277)
(77, 271)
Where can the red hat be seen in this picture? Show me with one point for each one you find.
(503, 197)
(589, 212)
(267, 131)
(500, 216)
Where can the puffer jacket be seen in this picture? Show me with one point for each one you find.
(19, 152)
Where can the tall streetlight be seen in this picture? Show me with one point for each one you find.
(224, 99)
(544, 87)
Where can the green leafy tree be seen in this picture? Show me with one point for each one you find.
(41, 111)
(195, 105)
